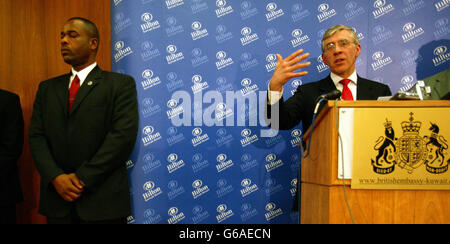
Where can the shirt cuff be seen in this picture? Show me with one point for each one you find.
(274, 96)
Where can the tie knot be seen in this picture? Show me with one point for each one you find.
(345, 82)
(76, 79)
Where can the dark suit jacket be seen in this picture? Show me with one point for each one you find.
(94, 141)
(300, 107)
(11, 144)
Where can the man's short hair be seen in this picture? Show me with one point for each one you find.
(337, 28)
(90, 27)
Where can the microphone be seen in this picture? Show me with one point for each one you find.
(331, 95)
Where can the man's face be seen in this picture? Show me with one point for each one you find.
(76, 44)
(340, 53)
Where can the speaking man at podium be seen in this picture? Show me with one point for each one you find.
(340, 49)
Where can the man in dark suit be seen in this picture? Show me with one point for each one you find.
(11, 144)
(340, 49)
(82, 131)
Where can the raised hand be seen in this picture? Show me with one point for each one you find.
(285, 69)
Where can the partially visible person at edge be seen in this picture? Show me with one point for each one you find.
(11, 145)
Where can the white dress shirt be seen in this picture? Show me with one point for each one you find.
(82, 74)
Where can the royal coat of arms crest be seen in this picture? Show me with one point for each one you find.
(410, 151)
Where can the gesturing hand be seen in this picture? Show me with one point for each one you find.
(285, 69)
(68, 187)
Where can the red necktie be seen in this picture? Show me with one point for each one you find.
(346, 93)
(73, 91)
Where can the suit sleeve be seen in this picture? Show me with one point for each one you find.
(119, 141)
(387, 91)
(43, 159)
(289, 112)
(11, 139)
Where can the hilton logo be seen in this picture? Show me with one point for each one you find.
(274, 13)
(174, 109)
(173, 56)
(353, 10)
(326, 13)
(223, 60)
(442, 28)
(380, 61)
(223, 8)
(381, 8)
(272, 211)
(248, 138)
(296, 138)
(175, 216)
(149, 24)
(224, 163)
(299, 38)
(150, 136)
(411, 32)
(248, 187)
(198, 31)
(224, 214)
(414, 6)
(441, 5)
(441, 54)
(122, 51)
(272, 162)
(174, 163)
(199, 137)
(247, 10)
(248, 36)
(198, 163)
(200, 190)
(149, 81)
(150, 191)
(174, 3)
(198, 84)
(272, 62)
(248, 87)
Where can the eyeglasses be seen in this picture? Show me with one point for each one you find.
(341, 43)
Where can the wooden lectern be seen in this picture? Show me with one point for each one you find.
(322, 192)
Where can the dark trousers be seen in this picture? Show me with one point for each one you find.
(73, 218)
(8, 215)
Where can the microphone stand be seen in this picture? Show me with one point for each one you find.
(302, 154)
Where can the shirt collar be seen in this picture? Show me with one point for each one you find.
(336, 78)
(82, 74)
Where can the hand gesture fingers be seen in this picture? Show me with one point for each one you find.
(284, 70)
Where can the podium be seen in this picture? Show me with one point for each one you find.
(322, 192)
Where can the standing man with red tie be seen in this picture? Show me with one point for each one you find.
(82, 131)
(340, 49)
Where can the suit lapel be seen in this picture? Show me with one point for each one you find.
(326, 85)
(62, 91)
(364, 90)
(91, 81)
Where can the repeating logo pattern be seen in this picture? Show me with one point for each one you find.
(220, 54)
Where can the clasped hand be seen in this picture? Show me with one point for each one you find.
(68, 186)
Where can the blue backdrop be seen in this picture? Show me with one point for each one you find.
(200, 156)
